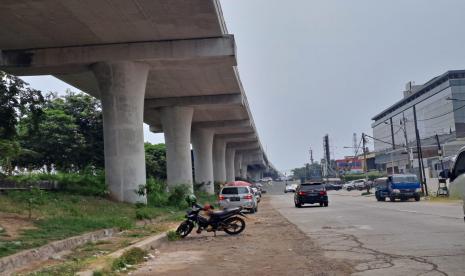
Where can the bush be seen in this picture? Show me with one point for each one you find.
(89, 182)
(156, 192)
(130, 257)
(371, 176)
(178, 195)
(143, 213)
(173, 236)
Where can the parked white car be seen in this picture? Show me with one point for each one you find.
(349, 186)
(238, 196)
(360, 184)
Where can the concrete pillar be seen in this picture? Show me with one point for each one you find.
(244, 169)
(237, 164)
(230, 154)
(177, 121)
(219, 155)
(202, 143)
(122, 89)
(255, 174)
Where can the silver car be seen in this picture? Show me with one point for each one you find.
(238, 196)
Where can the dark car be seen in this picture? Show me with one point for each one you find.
(333, 186)
(311, 193)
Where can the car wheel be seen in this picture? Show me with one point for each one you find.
(285, 192)
(256, 208)
(417, 198)
(326, 204)
(349, 189)
(321, 204)
(383, 198)
(392, 199)
(298, 205)
(252, 211)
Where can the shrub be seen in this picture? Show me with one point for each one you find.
(143, 213)
(88, 182)
(156, 192)
(173, 236)
(130, 257)
(177, 196)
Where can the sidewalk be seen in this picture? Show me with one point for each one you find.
(270, 245)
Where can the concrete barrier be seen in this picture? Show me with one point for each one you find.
(19, 260)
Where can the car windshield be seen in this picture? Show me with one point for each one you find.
(235, 190)
(380, 182)
(310, 187)
(404, 178)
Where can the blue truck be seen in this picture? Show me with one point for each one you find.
(398, 186)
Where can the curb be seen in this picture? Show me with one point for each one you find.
(147, 244)
(9, 264)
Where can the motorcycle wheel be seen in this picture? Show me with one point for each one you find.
(185, 228)
(234, 225)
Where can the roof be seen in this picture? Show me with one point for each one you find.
(420, 90)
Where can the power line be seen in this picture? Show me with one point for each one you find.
(401, 146)
(435, 117)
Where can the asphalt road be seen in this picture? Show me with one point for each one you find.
(382, 238)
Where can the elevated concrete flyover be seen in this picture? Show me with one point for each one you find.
(170, 64)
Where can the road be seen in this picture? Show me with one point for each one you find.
(382, 238)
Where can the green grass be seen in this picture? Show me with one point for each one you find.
(59, 215)
(62, 215)
(173, 236)
(130, 257)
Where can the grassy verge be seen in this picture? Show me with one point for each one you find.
(440, 199)
(59, 215)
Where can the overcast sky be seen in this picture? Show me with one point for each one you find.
(311, 68)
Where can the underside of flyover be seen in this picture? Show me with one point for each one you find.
(170, 64)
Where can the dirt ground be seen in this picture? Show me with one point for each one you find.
(13, 225)
(270, 245)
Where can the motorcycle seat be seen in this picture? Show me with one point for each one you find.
(225, 212)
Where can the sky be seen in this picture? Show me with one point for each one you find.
(316, 67)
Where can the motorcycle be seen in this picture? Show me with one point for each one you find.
(227, 220)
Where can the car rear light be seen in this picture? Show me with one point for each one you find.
(301, 193)
(221, 197)
(249, 196)
(322, 193)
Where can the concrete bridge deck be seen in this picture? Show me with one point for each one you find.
(170, 64)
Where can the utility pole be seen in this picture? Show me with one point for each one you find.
(424, 188)
(311, 156)
(365, 167)
(392, 134)
(404, 128)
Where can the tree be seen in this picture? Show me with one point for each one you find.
(9, 151)
(87, 113)
(17, 99)
(57, 140)
(155, 160)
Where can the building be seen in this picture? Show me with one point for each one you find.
(437, 110)
(349, 164)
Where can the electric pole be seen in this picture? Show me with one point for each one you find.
(424, 187)
(365, 165)
(404, 128)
